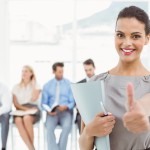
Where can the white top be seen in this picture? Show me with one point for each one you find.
(5, 99)
(24, 94)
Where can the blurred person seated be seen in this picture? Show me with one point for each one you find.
(5, 108)
(58, 91)
(25, 97)
(89, 68)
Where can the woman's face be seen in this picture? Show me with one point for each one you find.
(130, 38)
(26, 74)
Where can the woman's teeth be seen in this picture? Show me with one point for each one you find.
(127, 51)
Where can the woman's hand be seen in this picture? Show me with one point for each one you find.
(33, 108)
(135, 119)
(100, 126)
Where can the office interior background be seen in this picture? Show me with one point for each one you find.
(41, 32)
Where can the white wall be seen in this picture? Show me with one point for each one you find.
(4, 42)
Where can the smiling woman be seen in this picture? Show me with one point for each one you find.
(130, 38)
(132, 34)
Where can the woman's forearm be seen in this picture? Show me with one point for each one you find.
(85, 141)
(20, 107)
(17, 105)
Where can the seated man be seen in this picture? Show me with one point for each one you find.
(89, 68)
(5, 107)
(57, 91)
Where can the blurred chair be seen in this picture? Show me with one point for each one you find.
(74, 131)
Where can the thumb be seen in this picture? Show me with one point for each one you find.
(101, 114)
(130, 96)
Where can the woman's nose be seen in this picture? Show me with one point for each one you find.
(127, 42)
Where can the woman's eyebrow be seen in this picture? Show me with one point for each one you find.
(119, 31)
(131, 33)
(136, 33)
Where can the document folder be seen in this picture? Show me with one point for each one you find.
(88, 97)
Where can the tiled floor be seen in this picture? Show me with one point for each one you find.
(18, 144)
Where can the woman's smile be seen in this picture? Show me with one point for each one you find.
(127, 51)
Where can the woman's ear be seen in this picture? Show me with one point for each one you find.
(147, 39)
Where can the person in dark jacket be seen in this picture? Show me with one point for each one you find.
(89, 68)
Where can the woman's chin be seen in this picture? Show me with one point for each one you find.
(128, 60)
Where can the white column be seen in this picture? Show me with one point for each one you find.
(4, 42)
(74, 51)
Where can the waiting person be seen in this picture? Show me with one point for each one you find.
(58, 90)
(131, 35)
(25, 97)
(5, 108)
(89, 68)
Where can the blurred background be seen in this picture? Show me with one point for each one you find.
(41, 32)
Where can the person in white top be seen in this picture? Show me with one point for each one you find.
(5, 108)
(25, 97)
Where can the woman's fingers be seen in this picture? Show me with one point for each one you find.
(109, 124)
(136, 121)
(139, 124)
(101, 125)
(107, 119)
(107, 130)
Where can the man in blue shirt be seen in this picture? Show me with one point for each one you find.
(58, 92)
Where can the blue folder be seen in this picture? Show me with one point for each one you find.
(88, 96)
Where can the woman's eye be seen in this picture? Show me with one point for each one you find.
(136, 36)
(119, 35)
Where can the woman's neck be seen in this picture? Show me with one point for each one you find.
(26, 82)
(130, 69)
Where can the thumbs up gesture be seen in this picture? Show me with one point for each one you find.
(135, 119)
